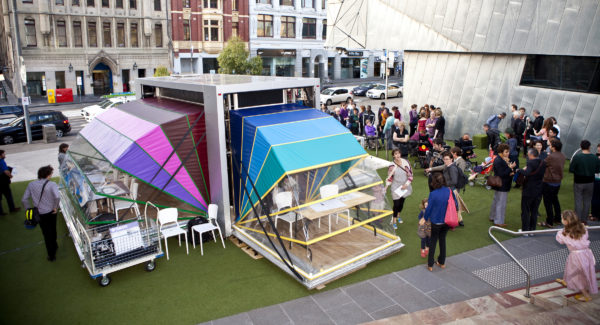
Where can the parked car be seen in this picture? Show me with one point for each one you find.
(335, 95)
(15, 130)
(379, 91)
(89, 112)
(11, 110)
(362, 89)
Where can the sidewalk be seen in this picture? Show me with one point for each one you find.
(472, 274)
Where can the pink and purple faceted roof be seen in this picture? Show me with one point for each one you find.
(142, 136)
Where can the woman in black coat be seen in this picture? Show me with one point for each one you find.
(504, 170)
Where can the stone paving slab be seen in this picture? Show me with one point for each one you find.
(405, 291)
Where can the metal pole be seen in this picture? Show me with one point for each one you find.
(386, 75)
(21, 82)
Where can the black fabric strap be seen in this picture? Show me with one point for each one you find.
(42, 193)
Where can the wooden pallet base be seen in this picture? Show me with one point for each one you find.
(245, 248)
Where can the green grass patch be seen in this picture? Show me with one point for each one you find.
(190, 289)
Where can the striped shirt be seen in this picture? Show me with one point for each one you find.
(49, 200)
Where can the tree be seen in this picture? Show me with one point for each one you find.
(161, 71)
(234, 59)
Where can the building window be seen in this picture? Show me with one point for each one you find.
(30, 32)
(133, 35)
(571, 73)
(156, 5)
(309, 28)
(92, 36)
(186, 30)
(60, 2)
(186, 3)
(287, 2)
(323, 4)
(235, 5)
(132, 4)
(265, 26)
(105, 4)
(288, 27)
(235, 29)
(324, 34)
(120, 34)
(213, 4)
(91, 3)
(308, 3)
(158, 35)
(27, 1)
(106, 34)
(75, 3)
(77, 35)
(61, 33)
(119, 4)
(264, 1)
(211, 30)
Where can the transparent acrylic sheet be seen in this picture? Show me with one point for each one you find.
(324, 231)
(90, 179)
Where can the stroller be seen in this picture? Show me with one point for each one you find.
(423, 146)
(484, 170)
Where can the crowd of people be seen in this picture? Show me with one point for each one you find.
(540, 179)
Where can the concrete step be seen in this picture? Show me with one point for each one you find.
(550, 303)
(490, 305)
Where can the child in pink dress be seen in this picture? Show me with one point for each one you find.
(580, 273)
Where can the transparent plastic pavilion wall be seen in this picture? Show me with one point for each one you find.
(89, 178)
(318, 241)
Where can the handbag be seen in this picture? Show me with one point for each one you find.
(451, 218)
(32, 215)
(494, 181)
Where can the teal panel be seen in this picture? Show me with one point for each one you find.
(317, 151)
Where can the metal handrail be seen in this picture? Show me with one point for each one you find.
(518, 233)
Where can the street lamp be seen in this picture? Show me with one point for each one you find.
(70, 67)
(134, 66)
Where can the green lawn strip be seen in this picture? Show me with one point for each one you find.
(190, 289)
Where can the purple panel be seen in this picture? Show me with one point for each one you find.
(109, 143)
(156, 144)
(137, 162)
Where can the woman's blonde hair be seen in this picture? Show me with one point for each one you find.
(574, 228)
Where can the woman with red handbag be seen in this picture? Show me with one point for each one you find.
(504, 170)
(436, 213)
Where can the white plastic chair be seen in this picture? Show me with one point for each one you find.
(329, 191)
(169, 217)
(283, 200)
(126, 205)
(211, 225)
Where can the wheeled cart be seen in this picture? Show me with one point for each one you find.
(108, 246)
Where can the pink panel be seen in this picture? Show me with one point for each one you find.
(126, 124)
(157, 145)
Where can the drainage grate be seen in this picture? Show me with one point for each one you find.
(540, 266)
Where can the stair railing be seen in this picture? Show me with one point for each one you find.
(520, 233)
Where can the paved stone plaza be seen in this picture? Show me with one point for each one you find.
(417, 289)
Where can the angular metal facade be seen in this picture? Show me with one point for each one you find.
(467, 56)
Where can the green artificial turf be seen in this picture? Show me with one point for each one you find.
(190, 289)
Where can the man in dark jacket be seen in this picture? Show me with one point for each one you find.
(493, 136)
(584, 166)
(532, 190)
(553, 175)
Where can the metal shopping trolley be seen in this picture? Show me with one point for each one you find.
(105, 245)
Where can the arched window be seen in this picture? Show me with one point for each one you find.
(30, 32)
